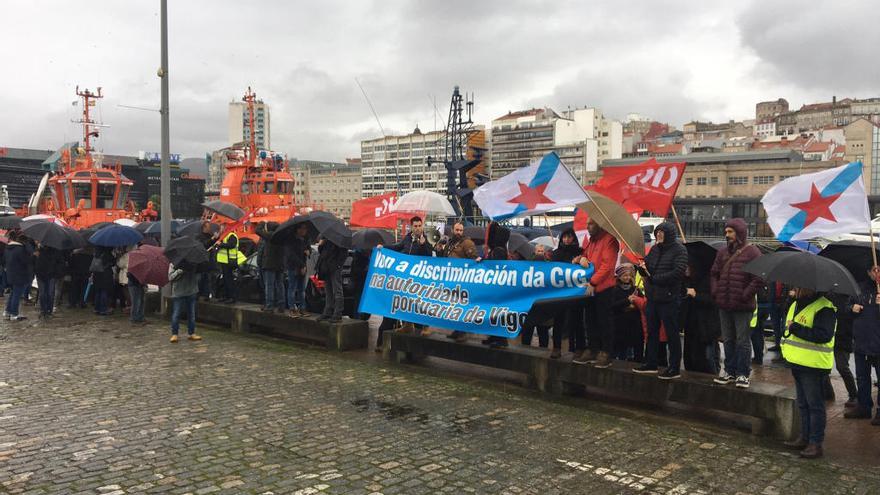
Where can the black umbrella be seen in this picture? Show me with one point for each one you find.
(194, 228)
(155, 228)
(8, 222)
(186, 251)
(701, 254)
(143, 226)
(89, 231)
(53, 235)
(318, 223)
(805, 270)
(225, 209)
(370, 238)
(854, 255)
(520, 244)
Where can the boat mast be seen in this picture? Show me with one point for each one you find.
(249, 98)
(87, 123)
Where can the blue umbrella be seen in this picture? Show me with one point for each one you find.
(115, 236)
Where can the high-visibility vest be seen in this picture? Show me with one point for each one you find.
(754, 322)
(796, 350)
(225, 254)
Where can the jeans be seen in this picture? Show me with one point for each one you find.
(736, 332)
(333, 302)
(599, 322)
(273, 289)
(665, 313)
(229, 291)
(811, 403)
(46, 289)
(864, 364)
(102, 300)
(136, 291)
(14, 300)
(841, 362)
(179, 303)
(296, 290)
(712, 357)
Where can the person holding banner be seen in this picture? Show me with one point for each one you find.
(571, 321)
(602, 250)
(414, 243)
(663, 269)
(458, 246)
(496, 245)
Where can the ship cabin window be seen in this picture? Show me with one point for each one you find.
(66, 190)
(283, 187)
(105, 195)
(123, 196)
(104, 175)
(82, 192)
(268, 187)
(245, 187)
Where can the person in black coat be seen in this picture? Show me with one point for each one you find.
(571, 320)
(701, 324)
(103, 281)
(416, 244)
(331, 259)
(78, 262)
(19, 272)
(271, 264)
(207, 237)
(48, 267)
(360, 265)
(628, 340)
(496, 244)
(296, 253)
(843, 347)
(865, 309)
(663, 270)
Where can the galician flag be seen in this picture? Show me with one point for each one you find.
(542, 186)
(821, 204)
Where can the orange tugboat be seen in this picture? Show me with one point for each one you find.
(258, 182)
(79, 188)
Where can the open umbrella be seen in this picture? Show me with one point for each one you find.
(854, 255)
(702, 255)
(194, 228)
(155, 228)
(423, 202)
(615, 220)
(546, 241)
(520, 244)
(8, 222)
(143, 226)
(53, 235)
(370, 238)
(116, 236)
(89, 231)
(225, 209)
(45, 218)
(318, 223)
(125, 221)
(804, 270)
(185, 250)
(149, 265)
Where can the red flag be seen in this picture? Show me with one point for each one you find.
(649, 186)
(375, 212)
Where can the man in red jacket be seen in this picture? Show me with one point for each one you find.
(602, 250)
(734, 292)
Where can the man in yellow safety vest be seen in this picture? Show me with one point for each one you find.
(228, 257)
(808, 346)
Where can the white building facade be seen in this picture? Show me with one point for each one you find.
(239, 128)
(393, 161)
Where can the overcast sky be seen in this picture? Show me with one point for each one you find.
(672, 61)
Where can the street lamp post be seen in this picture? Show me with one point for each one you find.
(165, 182)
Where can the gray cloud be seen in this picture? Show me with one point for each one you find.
(670, 60)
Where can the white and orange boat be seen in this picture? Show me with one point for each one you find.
(78, 187)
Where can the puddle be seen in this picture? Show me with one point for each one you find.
(455, 424)
(390, 410)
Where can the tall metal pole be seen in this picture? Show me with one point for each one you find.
(165, 182)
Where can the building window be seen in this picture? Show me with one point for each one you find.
(762, 179)
(713, 181)
(737, 181)
(689, 181)
(702, 181)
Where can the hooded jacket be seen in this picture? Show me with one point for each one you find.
(497, 241)
(602, 250)
(666, 265)
(272, 254)
(49, 263)
(564, 253)
(732, 288)
(19, 263)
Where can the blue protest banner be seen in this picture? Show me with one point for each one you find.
(492, 297)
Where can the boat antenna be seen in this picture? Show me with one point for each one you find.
(376, 115)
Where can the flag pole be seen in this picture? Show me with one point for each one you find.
(873, 248)
(547, 224)
(678, 223)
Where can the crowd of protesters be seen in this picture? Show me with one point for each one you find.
(631, 311)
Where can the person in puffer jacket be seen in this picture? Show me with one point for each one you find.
(664, 270)
(733, 291)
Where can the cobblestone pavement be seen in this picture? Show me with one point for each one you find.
(100, 407)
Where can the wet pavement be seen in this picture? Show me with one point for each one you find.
(93, 405)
